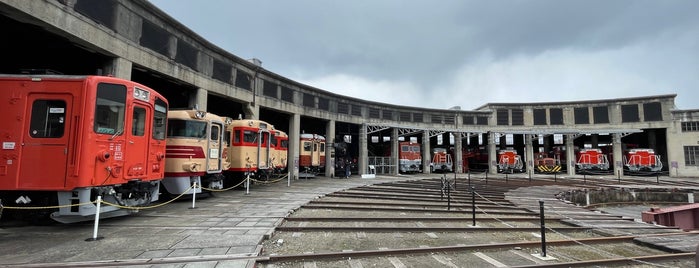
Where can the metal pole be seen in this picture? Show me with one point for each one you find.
(469, 178)
(194, 194)
(473, 205)
(97, 220)
(543, 228)
(448, 197)
(247, 184)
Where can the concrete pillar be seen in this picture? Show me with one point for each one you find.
(363, 150)
(329, 149)
(458, 153)
(120, 68)
(426, 152)
(570, 154)
(294, 143)
(492, 154)
(395, 156)
(594, 139)
(252, 111)
(199, 100)
(529, 153)
(618, 164)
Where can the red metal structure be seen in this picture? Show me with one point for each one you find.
(686, 217)
(68, 139)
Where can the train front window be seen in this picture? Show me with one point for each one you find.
(48, 119)
(110, 109)
(306, 146)
(249, 136)
(186, 128)
(159, 119)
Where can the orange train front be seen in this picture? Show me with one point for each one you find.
(68, 139)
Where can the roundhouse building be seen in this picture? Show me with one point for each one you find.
(137, 41)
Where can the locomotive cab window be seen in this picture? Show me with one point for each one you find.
(306, 146)
(215, 129)
(48, 119)
(110, 109)
(186, 128)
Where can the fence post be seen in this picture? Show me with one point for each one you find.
(194, 195)
(543, 228)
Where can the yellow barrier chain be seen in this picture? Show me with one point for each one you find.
(222, 190)
(149, 207)
(48, 207)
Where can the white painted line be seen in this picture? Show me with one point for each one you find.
(444, 260)
(396, 262)
(309, 265)
(489, 259)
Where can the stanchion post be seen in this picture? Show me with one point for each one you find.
(473, 205)
(449, 197)
(543, 228)
(97, 220)
(469, 178)
(247, 184)
(194, 195)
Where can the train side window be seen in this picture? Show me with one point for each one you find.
(139, 121)
(48, 119)
(306, 146)
(110, 109)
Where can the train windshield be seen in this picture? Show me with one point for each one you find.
(110, 109)
(179, 128)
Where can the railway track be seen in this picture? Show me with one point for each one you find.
(418, 224)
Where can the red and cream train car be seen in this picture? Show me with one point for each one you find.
(195, 151)
(67, 139)
(312, 155)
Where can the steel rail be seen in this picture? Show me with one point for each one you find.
(425, 250)
(313, 206)
(449, 229)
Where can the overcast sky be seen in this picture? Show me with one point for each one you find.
(444, 53)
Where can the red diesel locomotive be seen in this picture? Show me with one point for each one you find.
(67, 139)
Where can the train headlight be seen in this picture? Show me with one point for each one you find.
(141, 94)
(200, 114)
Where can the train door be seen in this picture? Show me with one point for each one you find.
(136, 153)
(263, 149)
(215, 148)
(46, 133)
(315, 154)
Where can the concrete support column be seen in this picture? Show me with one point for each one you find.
(330, 149)
(294, 143)
(363, 150)
(492, 154)
(252, 111)
(120, 68)
(618, 164)
(570, 154)
(199, 100)
(426, 152)
(395, 156)
(529, 153)
(594, 139)
(458, 153)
